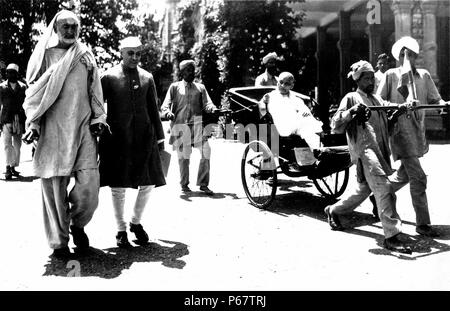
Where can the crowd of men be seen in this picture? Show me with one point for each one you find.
(62, 112)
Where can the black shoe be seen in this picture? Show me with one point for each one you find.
(427, 230)
(206, 190)
(185, 189)
(8, 173)
(139, 232)
(80, 239)
(61, 253)
(14, 172)
(122, 239)
(333, 220)
(374, 208)
(394, 244)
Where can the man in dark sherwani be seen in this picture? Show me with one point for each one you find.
(129, 153)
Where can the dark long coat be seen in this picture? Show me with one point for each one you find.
(129, 155)
(11, 102)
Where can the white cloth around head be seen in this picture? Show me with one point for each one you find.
(358, 68)
(269, 56)
(186, 62)
(408, 42)
(48, 39)
(13, 67)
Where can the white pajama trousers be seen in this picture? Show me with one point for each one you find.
(12, 144)
(62, 209)
(385, 198)
(118, 199)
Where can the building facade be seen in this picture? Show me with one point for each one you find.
(342, 32)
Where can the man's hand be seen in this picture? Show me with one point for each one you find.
(97, 129)
(30, 136)
(411, 104)
(161, 146)
(361, 112)
(357, 109)
(170, 116)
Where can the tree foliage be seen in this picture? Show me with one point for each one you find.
(103, 24)
(17, 27)
(236, 36)
(100, 21)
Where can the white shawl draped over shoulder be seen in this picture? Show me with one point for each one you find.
(44, 90)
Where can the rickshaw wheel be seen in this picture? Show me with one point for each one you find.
(259, 174)
(334, 185)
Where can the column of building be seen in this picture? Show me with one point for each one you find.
(322, 80)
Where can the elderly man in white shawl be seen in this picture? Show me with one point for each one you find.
(367, 136)
(65, 114)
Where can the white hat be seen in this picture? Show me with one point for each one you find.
(186, 62)
(407, 42)
(13, 67)
(358, 68)
(269, 56)
(130, 42)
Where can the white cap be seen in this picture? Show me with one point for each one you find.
(186, 62)
(130, 42)
(13, 67)
(407, 42)
(269, 56)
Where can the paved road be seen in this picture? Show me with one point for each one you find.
(223, 243)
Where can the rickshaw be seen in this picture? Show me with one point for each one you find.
(267, 154)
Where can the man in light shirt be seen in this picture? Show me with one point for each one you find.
(268, 77)
(408, 138)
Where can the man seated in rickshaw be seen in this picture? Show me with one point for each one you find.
(290, 114)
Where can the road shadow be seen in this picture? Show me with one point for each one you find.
(109, 263)
(19, 178)
(289, 185)
(301, 204)
(298, 202)
(216, 195)
(421, 246)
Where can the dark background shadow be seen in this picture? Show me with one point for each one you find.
(109, 263)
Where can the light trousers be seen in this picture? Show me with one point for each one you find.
(118, 199)
(384, 197)
(184, 153)
(62, 209)
(411, 171)
(12, 144)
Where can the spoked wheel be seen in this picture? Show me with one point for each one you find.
(334, 185)
(259, 174)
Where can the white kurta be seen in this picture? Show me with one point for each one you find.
(292, 117)
(66, 144)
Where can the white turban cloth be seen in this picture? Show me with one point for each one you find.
(186, 62)
(13, 67)
(48, 39)
(269, 56)
(358, 68)
(130, 42)
(404, 42)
